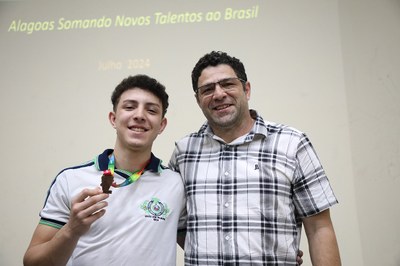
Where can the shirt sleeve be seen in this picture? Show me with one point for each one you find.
(312, 190)
(56, 210)
(173, 160)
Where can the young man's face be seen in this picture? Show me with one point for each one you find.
(138, 119)
(226, 104)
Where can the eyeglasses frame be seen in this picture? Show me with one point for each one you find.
(214, 84)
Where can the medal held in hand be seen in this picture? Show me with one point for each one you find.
(106, 181)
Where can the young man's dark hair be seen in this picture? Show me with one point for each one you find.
(143, 82)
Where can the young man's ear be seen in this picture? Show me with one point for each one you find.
(111, 118)
(164, 123)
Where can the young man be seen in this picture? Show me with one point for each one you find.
(137, 223)
(250, 184)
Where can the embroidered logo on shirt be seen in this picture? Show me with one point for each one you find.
(155, 209)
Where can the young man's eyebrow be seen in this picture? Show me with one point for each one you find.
(146, 103)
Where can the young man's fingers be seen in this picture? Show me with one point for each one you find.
(88, 202)
(87, 192)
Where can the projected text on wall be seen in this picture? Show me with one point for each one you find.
(157, 18)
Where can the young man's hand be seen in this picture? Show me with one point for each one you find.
(87, 207)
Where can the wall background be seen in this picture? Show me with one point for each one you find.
(329, 68)
(371, 61)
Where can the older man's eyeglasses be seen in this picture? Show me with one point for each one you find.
(227, 84)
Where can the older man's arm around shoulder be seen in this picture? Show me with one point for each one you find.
(323, 246)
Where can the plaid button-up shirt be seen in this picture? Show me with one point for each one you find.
(247, 198)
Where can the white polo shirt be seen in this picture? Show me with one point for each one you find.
(141, 220)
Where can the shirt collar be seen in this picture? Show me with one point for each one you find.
(101, 162)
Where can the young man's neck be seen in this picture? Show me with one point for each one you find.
(131, 161)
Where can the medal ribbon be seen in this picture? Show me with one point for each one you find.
(131, 179)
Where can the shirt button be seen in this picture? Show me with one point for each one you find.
(227, 237)
(226, 173)
(227, 205)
